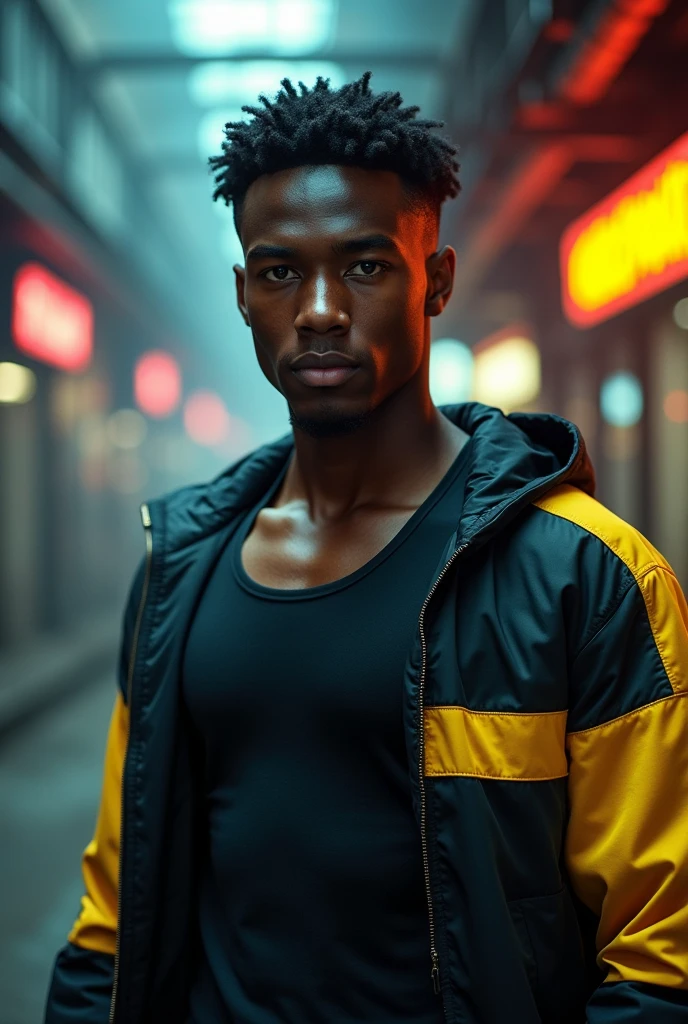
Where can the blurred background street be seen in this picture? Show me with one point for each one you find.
(126, 369)
(49, 786)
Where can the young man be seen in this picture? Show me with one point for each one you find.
(401, 730)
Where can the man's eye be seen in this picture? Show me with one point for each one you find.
(368, 268)
(280, 274)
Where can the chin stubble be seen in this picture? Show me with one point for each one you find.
(329, 424)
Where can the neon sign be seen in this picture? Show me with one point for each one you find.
(630, 246)
(51, 321)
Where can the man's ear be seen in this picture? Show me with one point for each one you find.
(240, 278)
(440, 269)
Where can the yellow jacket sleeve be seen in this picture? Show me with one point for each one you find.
(626, 846)
(96, 926)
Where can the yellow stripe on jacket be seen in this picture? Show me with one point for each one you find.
(495, 745)
(96, 926)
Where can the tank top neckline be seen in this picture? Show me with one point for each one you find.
(305, 593)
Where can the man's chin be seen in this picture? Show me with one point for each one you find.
(329, 423)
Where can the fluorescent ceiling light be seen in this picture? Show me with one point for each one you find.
(211, 133)
(232, 26)
(240, 82)
(216, 26)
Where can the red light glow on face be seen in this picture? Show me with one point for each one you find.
(51, 321)
(206, 418)
(157, 384)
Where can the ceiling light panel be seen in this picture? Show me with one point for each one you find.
(240, 82)
(202, 27)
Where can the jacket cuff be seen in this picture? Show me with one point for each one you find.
(81, 987)
(635, 1002)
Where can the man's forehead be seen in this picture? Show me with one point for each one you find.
(336, 198)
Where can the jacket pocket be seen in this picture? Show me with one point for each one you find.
(552, 950)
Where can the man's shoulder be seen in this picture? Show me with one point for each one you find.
(584, 514)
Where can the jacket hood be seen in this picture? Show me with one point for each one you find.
(514, 460)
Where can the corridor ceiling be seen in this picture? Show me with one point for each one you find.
(161, 73)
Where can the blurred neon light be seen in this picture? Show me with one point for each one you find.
(676, 406)
(630, 246)
(51, 321)
(127, 428)
(451, 371)
(620, 30)
(681, 314)
(206, 418)
(157, 384)
(506, 370)
(621, 399)
(17, 383)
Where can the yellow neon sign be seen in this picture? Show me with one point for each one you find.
(632, 245)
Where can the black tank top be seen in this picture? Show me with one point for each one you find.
(312, 905)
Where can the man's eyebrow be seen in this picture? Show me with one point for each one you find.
(355, 245)
(271, 252)
(350, 245)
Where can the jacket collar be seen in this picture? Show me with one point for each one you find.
(513, 460)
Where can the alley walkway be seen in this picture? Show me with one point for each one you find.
(50, 776)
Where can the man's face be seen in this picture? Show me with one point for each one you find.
(337, 261)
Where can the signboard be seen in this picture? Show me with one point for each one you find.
(51, 321)
(630, 246)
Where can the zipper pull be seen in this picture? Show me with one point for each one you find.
(435, 973)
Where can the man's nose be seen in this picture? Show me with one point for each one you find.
(322, 307)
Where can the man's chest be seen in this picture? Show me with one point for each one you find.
(284, 550)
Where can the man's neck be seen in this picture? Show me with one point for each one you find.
(393, 461)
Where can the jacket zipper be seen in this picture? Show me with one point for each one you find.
(146, 520)
(435, 972)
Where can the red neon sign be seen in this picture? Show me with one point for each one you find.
(630, 246)
(51, 321)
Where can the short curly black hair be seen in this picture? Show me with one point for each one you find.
(350, 125)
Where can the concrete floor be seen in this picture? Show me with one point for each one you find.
(50, 776)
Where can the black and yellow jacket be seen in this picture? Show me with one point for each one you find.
(546, 722)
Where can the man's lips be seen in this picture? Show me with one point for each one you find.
(327, 377)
